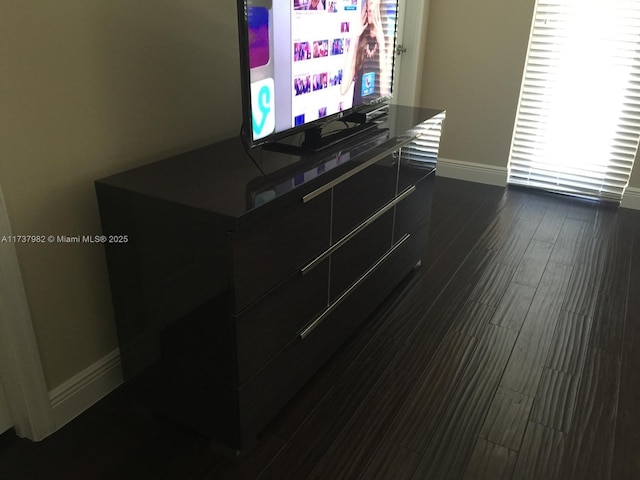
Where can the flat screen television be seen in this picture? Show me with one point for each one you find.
(307, 62)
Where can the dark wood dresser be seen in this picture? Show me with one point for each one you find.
(233, 284)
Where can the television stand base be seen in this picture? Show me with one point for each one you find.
(379, 113)
(316, 141)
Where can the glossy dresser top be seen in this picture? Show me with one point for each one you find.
(223, 179)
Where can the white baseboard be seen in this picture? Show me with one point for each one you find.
(86, 388)
(631, 198)
(491, 175)
(472, 172)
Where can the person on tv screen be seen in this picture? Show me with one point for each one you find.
(366, 61)
(315, 5)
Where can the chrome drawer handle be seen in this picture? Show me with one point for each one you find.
(309, 328)
(313, 263)
(328, 186)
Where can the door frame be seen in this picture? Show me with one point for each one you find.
(412, 33)
(20, 366)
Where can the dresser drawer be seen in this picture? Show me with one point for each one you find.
(353, 259)
(273, 246)
(361, 195)
(270, 389)
(270, 323)
(266, 392)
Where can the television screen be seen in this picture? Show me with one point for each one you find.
(308, 61)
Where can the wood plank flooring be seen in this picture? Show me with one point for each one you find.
(513, 353)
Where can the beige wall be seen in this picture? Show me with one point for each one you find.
(474, 60)
(89, 88)
(92, 87)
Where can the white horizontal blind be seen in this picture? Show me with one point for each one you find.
(578, 120)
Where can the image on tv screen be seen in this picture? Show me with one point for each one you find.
(309, 59)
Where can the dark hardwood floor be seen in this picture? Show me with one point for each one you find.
(513, 353)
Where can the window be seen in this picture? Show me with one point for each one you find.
(578, 120)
